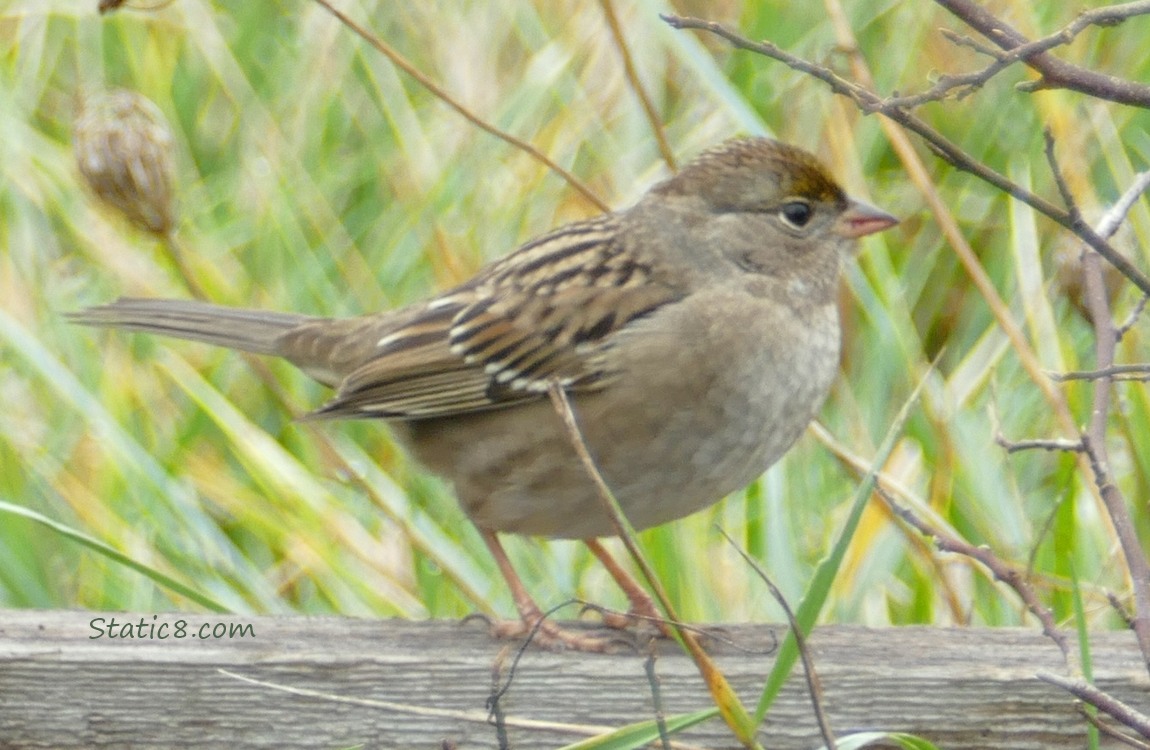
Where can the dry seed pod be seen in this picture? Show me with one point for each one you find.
(124, 150)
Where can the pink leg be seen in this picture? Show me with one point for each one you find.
(549, 634)
(642, 606)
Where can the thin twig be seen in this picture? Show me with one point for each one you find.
(1094, 438)
(406, 66)
(949, 225)
(1128, 540)
(1056, 73)
(1106, 372)
(1091, 715)
(1104, 702)
(1059, 178)
(637, 85)
(1117, 213)
(964, 84)
(813, 684)
(1001, 570)
(1109, 224)
(1017, 446)
(1038, 539)
(1121, 609)
(1132, 319)
(705, 632)
(656, 696)
(869, 102)
(951, 153)
(494, 708)
(496, 695)
(962, 40)
(858, 467)
(614, 512)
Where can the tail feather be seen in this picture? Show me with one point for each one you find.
(255, 331)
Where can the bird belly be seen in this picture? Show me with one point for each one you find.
(668, 444)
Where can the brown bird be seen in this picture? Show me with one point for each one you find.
(696, 334)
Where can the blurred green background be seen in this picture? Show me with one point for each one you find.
(314, 176)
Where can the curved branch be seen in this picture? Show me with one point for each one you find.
(870, 102)
(1057, 73)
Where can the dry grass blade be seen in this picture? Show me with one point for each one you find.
(724, 696)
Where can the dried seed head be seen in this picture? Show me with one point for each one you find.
(124, 150)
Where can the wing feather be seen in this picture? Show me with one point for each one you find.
(544, 313)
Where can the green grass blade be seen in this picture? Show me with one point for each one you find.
(641, 734)
(808, 610)
(1082, 628)
(113, 554)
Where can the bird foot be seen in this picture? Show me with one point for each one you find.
(644, 624)
(550, 635)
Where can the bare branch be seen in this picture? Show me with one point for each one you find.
(1091, 715)
(1001, 570)
(1094, 439)
(965, 84)
(1017, 446)
(869, 102)
(1132, 319)
(866, 100)
(1104, 702)
(1115, 504)
(657, 696)
(1121, 609)
(495, 715)
(962, 40)
(1106, 372)
(1059, 178)
(958, 158)
(1109, 224)
(1113, 218)
(1056, 73)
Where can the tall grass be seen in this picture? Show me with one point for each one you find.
(314, 176)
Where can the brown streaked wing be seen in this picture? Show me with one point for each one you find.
(547, 312)
(544, 313)
(408, 371)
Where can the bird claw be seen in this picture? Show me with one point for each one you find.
(554, 637)
(645, 625)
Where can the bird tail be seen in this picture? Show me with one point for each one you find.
(255, 331)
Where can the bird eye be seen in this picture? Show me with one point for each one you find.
(796, 213)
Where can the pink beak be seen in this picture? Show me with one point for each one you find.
(861, 219)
